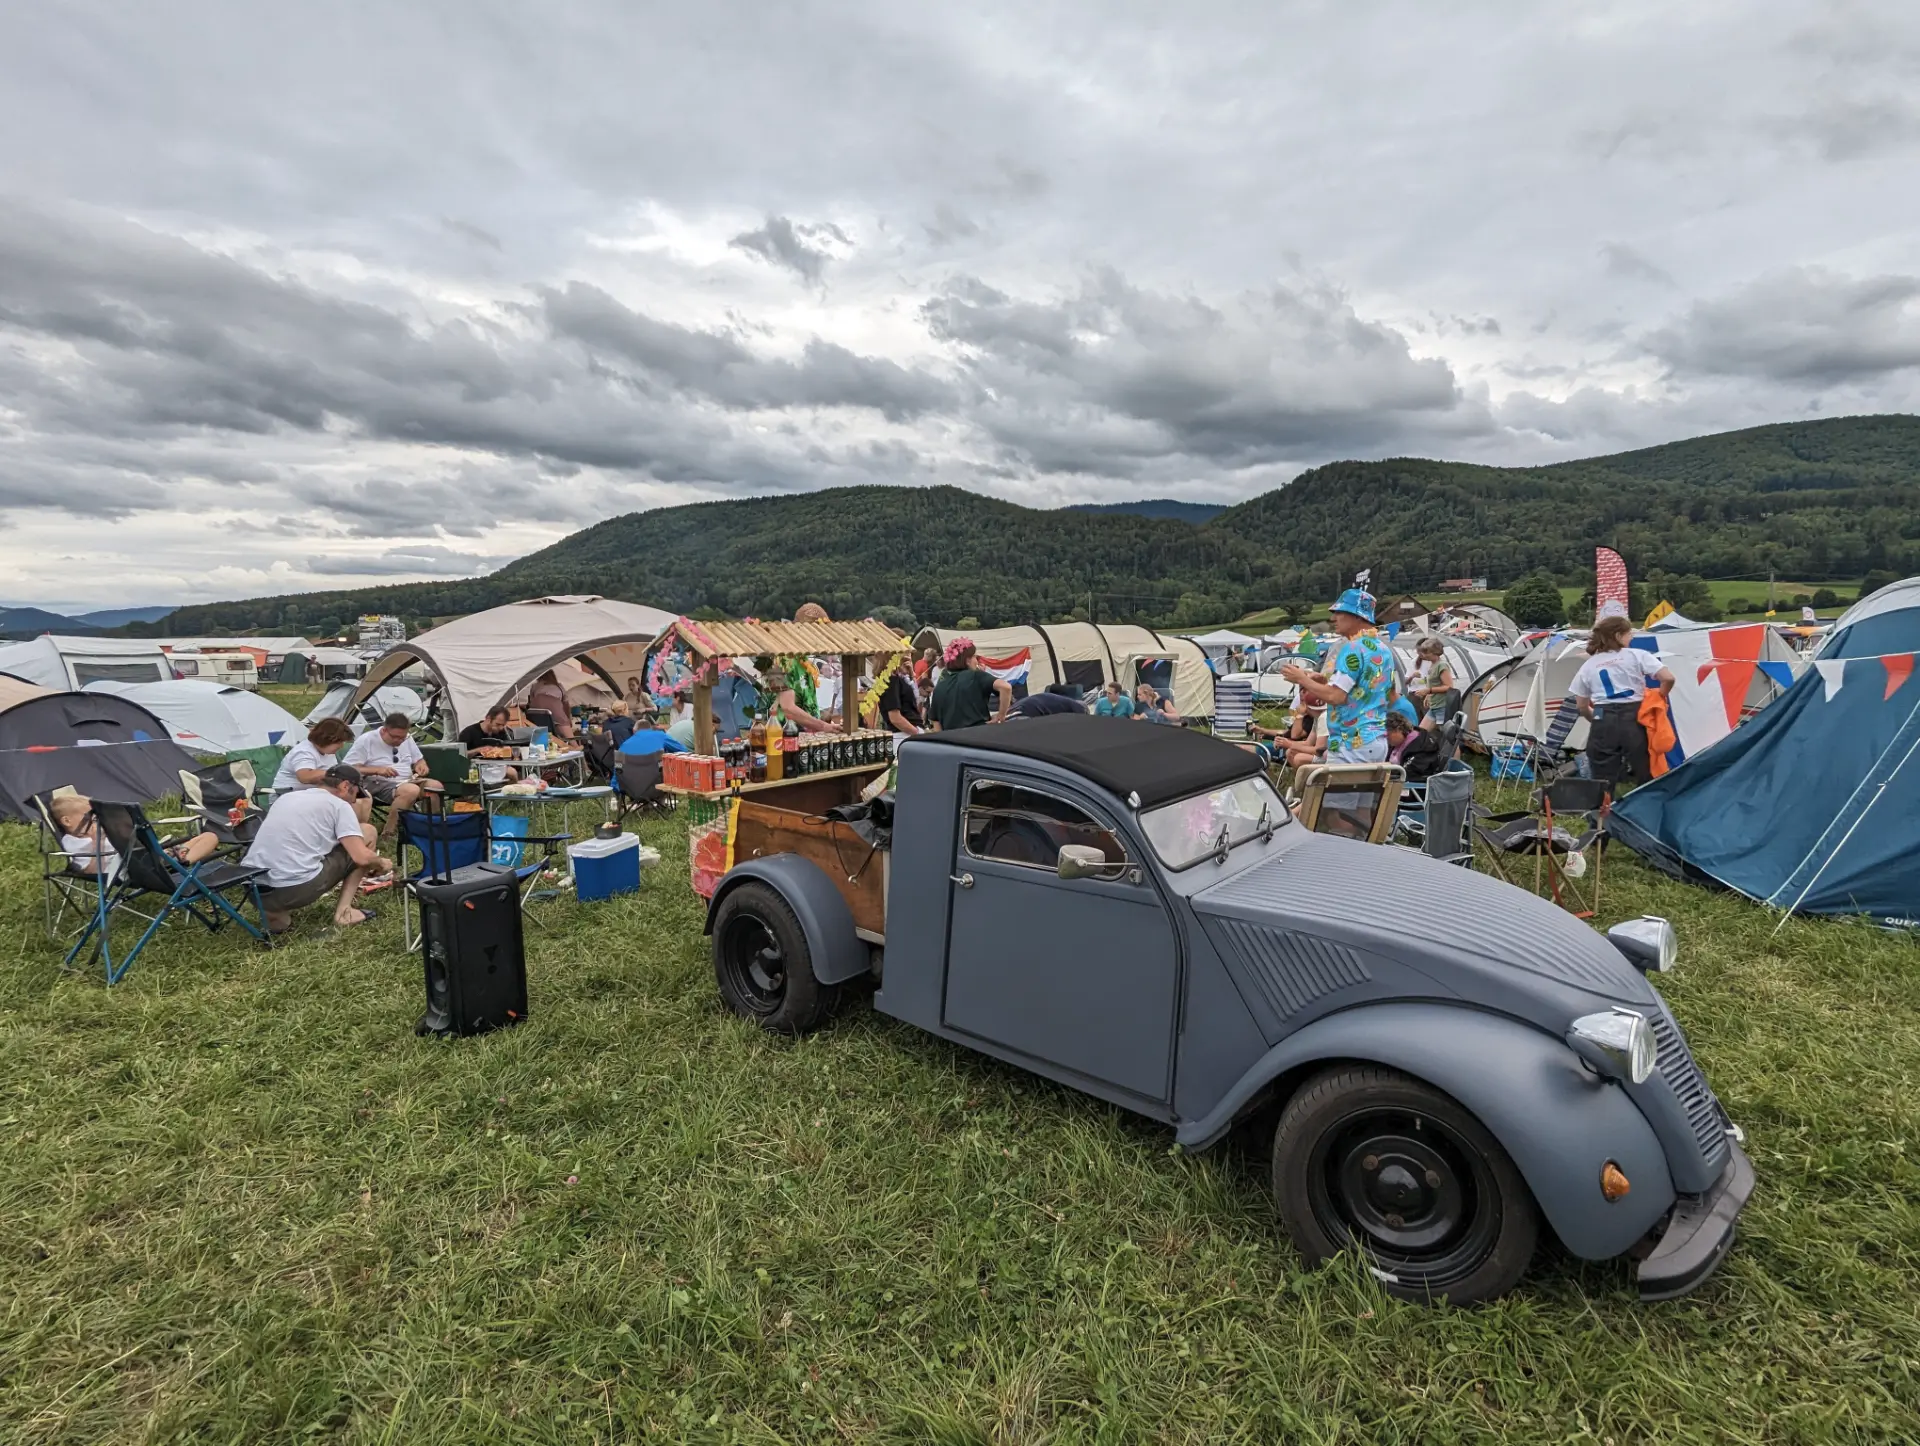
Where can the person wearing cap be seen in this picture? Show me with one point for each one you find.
(311, 841)
(1357, 684)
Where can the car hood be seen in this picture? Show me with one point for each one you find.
(1400, 904)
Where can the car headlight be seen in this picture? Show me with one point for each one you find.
(1649, 943)
(1618, 1043)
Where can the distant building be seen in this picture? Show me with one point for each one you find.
(381, 630)
(1464, 584)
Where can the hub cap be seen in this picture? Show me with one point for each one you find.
(754, 958)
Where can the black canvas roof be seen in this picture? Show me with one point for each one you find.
(1123, 755)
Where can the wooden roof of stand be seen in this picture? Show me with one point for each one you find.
(733, 639)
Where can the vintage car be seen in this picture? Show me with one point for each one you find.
(1449, 1063)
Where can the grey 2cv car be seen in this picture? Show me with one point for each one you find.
(1128, 910)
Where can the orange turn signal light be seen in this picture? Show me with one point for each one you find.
(1613, 1182)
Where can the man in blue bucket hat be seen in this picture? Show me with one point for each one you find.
(1356, 686)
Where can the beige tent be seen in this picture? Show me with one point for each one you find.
(493, 657)
(1091, 654)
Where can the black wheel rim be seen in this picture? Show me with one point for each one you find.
(1411, 1191)
(755, 961)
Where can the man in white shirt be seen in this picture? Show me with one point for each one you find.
(389, 761)
(310, 841)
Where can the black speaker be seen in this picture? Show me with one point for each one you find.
(473, 950)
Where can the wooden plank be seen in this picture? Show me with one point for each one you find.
(703, 739)
(857, 870)
(862, 771)
(849, 685)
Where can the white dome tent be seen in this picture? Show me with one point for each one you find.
(492, 657)
(210, 717)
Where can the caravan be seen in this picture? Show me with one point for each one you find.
(228, 669)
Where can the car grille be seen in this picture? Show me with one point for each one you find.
(1690, 1087)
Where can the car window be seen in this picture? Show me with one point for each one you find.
(1014, 825)
(1184, 832)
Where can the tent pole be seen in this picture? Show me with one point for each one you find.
(849, 692)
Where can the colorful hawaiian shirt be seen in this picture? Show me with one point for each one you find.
(1362, 719)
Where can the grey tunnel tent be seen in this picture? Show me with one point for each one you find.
(103, 746)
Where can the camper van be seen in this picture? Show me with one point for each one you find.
(231, 670)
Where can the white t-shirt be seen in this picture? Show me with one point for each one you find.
(86, 851)
(302, 755)
(370, 747)
(298, 833)
(1617, 677)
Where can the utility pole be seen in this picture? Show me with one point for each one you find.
(1769, 592)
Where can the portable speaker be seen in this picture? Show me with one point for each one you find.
(473, 950)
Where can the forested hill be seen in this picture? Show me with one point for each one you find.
(1820, 500)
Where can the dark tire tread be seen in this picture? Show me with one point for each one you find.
(807, 1003)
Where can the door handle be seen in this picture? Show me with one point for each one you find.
(965, 881)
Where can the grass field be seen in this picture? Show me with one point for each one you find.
(241, 1202)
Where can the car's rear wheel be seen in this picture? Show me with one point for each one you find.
(1374, 1159)
(762, 964)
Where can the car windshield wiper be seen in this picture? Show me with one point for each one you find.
(1264, 825)
(1223, 843)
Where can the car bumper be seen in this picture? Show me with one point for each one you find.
(1699, 1233)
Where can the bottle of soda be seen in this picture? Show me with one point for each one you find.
(757, 745)
(790, 745)
(776, 754)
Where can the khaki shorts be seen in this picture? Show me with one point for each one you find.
(380, 788)
(334, 869)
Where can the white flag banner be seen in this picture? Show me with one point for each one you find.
(1363, 577)
(1831, 672)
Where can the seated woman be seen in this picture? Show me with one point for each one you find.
(1415, 749)
(87, 849)
(1153, 706)
(1301, 742)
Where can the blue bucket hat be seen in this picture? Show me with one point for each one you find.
(1356, 601)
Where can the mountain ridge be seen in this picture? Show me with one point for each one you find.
(1828, 499)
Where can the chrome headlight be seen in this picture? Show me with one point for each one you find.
(1649, 943)
(1618, 1043)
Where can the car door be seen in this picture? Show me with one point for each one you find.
(1082, 974)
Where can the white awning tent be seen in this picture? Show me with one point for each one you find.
(1675, 620)
(1089, 655)
(493, 657)
(210, 718)
(1220, 640)
(67, 664)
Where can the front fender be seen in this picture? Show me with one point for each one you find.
(1559, 1122)
(838, 955)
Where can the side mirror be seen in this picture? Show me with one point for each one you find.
(1081, 861)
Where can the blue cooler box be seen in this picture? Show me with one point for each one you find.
(603, 867)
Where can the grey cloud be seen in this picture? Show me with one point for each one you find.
(406, 562)
(949, 225)
(1624, 262)
(783, 244)
(1123, 371)
(1804, 325)
(479, 235)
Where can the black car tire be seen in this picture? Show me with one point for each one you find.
(1370, 1158)
(762, 964)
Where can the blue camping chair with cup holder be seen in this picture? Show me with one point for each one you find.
(444, 842)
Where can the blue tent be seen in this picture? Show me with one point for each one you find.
(1814, 806)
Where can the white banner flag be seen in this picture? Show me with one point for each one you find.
(1363, 577)
(1831, 670)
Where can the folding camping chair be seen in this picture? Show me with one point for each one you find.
(1351, 800)
(1562, 853)
(449, 841)
(214, 794)
(636, 779)
(265, 763)
(70, 894)
(1438, 819)
(148, 870)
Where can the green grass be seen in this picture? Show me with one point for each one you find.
(241, 1202)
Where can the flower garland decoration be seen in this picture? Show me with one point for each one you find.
(955, 647)
(871, 698)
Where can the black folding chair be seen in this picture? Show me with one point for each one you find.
(603, 755)
(220, 799)
(70, 893)
(1439, 819)
(637, 779)
(448, 841)
(1564, 832)
(147, 871)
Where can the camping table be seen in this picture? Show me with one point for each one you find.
(573, 763)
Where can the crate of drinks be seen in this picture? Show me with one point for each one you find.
(693, 772)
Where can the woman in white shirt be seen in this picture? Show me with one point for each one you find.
(1609, 689)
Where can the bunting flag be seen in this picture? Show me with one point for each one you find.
(1737, 652)
(1781, 674)
(1610, 590)
(1899, 668)
(1011, 669)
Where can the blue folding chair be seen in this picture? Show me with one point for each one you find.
(148, 872)
(449, 841)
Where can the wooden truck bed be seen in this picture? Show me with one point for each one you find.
(794, 825)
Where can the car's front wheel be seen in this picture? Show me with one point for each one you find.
(1375, 1159)
(762, 964)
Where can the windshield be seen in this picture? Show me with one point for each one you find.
(1184, 833)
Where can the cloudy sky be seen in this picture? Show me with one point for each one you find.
(298, 296)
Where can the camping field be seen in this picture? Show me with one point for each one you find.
(241, 1202)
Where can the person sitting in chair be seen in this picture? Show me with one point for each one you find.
(547, 696)
(87, 849)
(1415, 749)
(1152, 706)
(389, 762)
(311, 841)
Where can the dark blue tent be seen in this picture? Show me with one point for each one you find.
(1814, 806)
